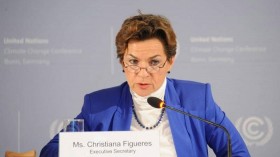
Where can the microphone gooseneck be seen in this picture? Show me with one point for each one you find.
(158, 103)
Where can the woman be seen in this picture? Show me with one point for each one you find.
(146, 47)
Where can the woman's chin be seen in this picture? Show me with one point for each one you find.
(142, 93)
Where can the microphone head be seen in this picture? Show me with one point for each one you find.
(156, 102)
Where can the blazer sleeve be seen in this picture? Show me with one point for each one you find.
(216, 137)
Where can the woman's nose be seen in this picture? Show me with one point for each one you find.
(143, 72)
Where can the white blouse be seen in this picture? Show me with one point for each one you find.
(149, 116)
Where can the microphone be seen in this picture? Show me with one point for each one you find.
(158, 103)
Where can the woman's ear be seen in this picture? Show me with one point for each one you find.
(122, 64)
(171, 63)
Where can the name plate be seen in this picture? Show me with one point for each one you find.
(109, 144)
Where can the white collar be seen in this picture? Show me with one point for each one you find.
(140, 102)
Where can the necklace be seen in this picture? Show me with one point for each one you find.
(143, 126)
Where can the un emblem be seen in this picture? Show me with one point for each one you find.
(255, 130)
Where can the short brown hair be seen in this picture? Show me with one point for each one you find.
(146, 26)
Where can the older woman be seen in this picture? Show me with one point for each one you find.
(146, 47)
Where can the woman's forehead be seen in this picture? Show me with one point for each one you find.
(146, 48)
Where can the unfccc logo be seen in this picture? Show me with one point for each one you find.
(255, 130)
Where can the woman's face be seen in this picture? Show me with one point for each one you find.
(143, 54)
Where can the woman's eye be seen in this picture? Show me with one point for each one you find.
(154, 62)
(133, 61)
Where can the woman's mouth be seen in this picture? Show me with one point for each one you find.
(143, 85)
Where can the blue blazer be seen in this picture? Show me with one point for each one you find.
(111, 110)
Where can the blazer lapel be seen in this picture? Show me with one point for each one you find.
(123, 115)
(177, 121)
